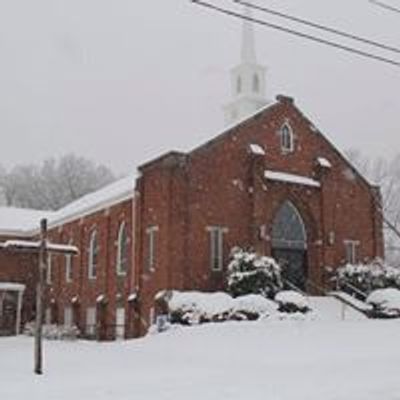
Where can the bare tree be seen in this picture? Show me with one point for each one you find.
(54, 183)
(386, 174)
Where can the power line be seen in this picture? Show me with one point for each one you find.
(319, 26)
(297, 33)
(385, 6)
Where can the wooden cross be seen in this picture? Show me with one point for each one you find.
(42, 248)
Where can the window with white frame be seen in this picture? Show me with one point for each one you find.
(122, 250)
(93, 255)
(256, 83)
(91, 321)
(120, 322)
(216, 247)
(351, 248)
(151, 247)
(69, 266)
(239, 85)
(49, 269)
(287, 138)
(68, 317)
(48, 316)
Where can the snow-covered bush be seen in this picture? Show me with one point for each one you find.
(368, 277)
(251, 307)
(292, 302)
(386, 303)
(251, 273)
(54, 332)
(192, 308)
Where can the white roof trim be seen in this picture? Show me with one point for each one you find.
(324, 162)
(12, 287)
(291, 178)
(110, 195)
(256, 149)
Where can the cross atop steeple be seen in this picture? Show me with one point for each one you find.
(247, 79)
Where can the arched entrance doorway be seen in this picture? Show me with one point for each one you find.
(289, 244)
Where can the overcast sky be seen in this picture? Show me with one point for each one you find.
(121, 81)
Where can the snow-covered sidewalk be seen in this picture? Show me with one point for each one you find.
(274, 360)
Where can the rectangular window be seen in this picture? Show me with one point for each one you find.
(48, 316)
(120, 323)
(49, 269)
(351, 248)
(151, 250)
(68, 268)
(217, 247)
(91, 321)
(68, 317)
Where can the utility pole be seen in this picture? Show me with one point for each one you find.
(42, 249)
(39, 298)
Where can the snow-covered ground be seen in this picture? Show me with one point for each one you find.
(274, 360)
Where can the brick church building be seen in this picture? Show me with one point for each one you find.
(271, 181)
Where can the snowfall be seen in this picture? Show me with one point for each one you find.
(274, 359)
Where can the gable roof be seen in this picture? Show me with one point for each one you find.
(20, 221)
(25, 222)
(281, 99)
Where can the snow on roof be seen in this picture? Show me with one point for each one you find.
(116, 192)
(12, 287)
(20, 221)
(257, 150)
(27, 244)
(291, 178)
(25, 222)
(101, 298)
(323, 162)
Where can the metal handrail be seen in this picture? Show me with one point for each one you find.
(355, 289)
(294, 287)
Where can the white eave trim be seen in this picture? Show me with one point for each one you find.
(91, 209)
(12, 287)
(291, 178)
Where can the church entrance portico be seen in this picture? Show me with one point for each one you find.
(289, 245)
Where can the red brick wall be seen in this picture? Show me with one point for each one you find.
(218, 184)
(114, 287)
(221, 184)
(17, 268)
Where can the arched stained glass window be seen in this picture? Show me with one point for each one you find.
(287, 139)
(288, 231)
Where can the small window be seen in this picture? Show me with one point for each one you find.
(287, 139)
(49, 271)
(122, 250)
(351, 248)
(239, 85)
(217, 248)
(256, 83)
(48, 318)
(151, 247)
(93, 255)
(69, 266)
(68, 317)
(91, 321)
(120, 321)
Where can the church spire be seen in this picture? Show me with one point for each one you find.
(247, 78)
(248, 53)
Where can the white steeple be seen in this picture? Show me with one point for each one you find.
(247, 79)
